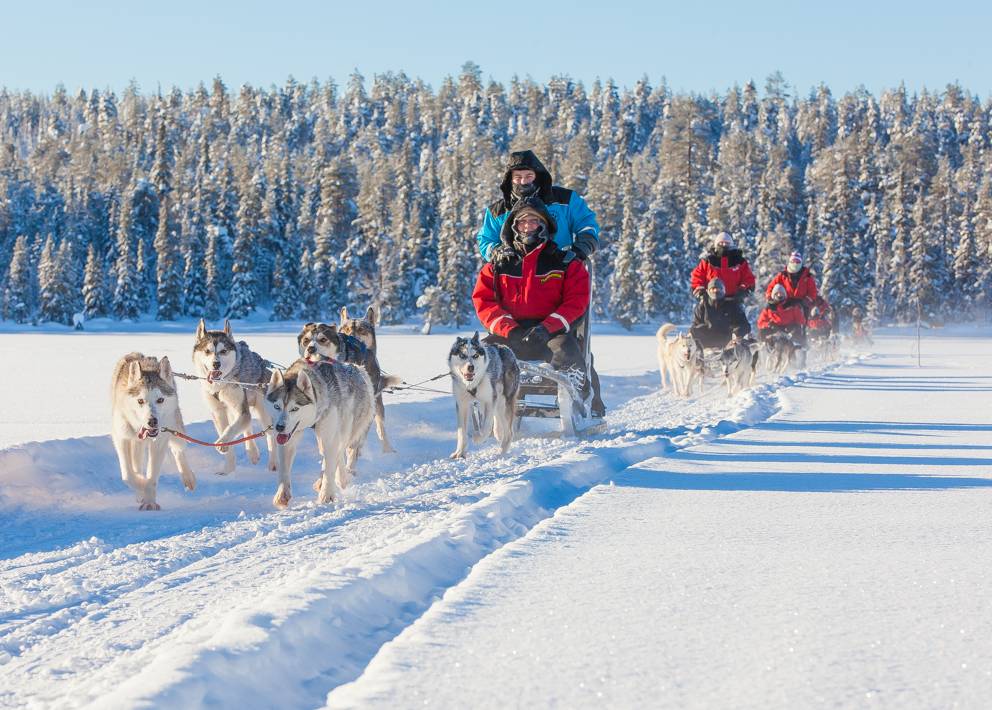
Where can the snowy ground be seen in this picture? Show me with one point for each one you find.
(821, 539)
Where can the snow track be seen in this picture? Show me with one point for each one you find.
(227, 602)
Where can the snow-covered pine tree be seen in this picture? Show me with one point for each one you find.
(242, 299)
(94, 295)
(336, 216)
(625, 287)
(17, 301)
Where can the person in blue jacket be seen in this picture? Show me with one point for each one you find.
(525, 175)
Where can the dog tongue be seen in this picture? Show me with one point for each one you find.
(282, 438)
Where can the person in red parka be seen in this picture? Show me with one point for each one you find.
(781, 316)
(725, 262)
(532, 302)
(820, 323)
(798, 281)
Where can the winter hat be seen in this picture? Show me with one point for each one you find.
(716, 288)
(795, 263)
(528, 211)
(723, 238)
(778, 293)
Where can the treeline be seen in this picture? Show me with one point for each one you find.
(306, 197)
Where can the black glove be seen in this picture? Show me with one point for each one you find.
(698, 292)
(538, 336)
(516, 336)
(502, 256)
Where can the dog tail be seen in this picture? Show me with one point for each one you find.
(664, 330)
(387, 381)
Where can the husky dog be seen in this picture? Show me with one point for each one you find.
(216, 356)
(363, 330)
(488, 374)
(739, 363)
(320, 341)
(782, 352)
(333, 398)
(666, 356)
(681, 359)
(143, 400)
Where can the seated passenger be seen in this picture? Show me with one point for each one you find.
(716, 318)
(782, 315)
(532, 302)
(821, 319)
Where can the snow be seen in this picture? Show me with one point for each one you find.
(819, 538)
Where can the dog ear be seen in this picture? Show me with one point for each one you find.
(133, 373)
(201, 330)
(332, 331)
(305, 385)
(475, 338)
(370, 315)
(275, 381)
(165, 369)
(227, 328)
(344, 314)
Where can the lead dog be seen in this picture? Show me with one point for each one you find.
(333, 398)
(216, 356)
(488, 374)
(363, 330)
(143, 400)
(680, 359)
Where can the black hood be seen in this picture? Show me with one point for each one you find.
(526, 160)
(534, 203)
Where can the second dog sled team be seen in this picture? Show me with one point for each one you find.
(530, 296)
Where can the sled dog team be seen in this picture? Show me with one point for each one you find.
(335, 388)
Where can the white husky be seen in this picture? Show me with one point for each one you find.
(488, 374)
(679, 361)
(338, 402)
(143, 402)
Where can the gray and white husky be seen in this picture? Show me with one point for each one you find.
(739, 362)
(337, 401)
(216, 356)
(143, 400)
(487, 374)
(363, 330)
(320, 341)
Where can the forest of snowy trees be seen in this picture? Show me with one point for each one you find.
(300, 199)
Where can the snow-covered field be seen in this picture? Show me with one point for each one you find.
(823, 539)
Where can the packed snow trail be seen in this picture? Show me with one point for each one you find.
(220, 600)
(836, 554)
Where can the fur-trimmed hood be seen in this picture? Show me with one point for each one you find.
(532, 203)
(526, 160)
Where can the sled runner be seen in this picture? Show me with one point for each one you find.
(565, 395)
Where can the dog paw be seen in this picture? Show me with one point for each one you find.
(222, 450)
(282, 497)
(387, 449)
(189, 482)
(457, 455)
(145, 505)
(316, 484)
(254, 457)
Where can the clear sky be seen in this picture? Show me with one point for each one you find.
(696, 46)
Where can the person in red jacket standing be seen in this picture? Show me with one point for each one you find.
(798, 281)
(781, 316)
(532, 302)
(725, 262)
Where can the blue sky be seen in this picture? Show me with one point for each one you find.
(696, 46)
